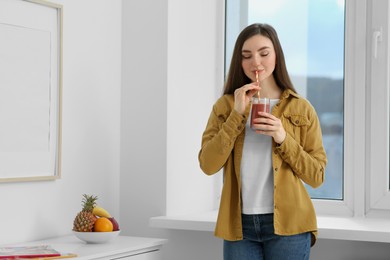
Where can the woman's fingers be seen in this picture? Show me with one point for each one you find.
(243, 95)
(270, 125)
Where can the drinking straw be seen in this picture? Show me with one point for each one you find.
(257, 80)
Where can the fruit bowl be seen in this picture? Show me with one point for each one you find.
(96, 237)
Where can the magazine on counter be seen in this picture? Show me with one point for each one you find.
(16, 252)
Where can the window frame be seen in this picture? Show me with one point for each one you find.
(354, 89)
(378, 198)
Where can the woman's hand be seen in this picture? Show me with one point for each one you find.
(243, 95)
(270, 125)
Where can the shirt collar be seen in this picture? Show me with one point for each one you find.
(286, 93)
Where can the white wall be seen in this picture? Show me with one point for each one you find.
(144, 106)
(91, 129)
(195, 80)
(160, 65)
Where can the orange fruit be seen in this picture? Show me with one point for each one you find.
(103, 225)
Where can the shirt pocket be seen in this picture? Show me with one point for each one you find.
(296, 125)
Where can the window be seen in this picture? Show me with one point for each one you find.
(312, 37)
(340, 50)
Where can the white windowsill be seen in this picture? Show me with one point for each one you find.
(330, 227)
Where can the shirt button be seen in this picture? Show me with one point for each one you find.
(243, 121)
(238, 127)
(297, 121)
(276, 169)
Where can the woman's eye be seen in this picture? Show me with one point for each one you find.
(246, 57)
(264, 54)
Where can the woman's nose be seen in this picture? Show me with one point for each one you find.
(257, 60)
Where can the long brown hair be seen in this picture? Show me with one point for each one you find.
(236, 77)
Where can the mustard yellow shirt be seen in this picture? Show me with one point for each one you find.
(300, 158)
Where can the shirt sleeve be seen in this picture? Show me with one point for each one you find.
(223, 127)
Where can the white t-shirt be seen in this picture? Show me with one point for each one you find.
(257, 180)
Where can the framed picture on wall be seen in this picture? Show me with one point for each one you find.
(30, 90)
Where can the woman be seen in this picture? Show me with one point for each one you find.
(265, 211)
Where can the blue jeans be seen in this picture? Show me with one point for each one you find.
(260, 242)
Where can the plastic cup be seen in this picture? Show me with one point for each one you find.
(261, 104)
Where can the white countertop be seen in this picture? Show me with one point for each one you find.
(118, 247)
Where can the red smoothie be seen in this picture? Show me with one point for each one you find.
(258, 108)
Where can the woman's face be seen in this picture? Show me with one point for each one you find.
(258, 54)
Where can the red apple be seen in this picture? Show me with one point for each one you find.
(114, 224)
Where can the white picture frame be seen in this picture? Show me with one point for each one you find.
(30, 90)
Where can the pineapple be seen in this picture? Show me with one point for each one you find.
(85, 220)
